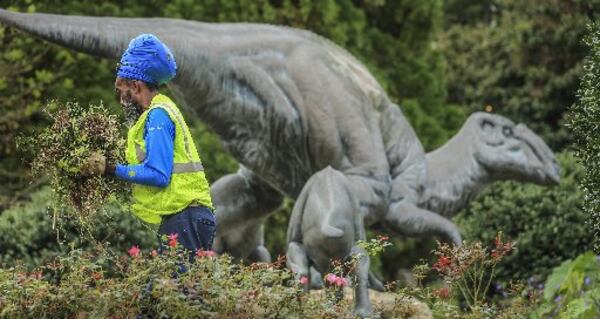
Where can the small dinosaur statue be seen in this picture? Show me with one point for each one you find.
(317, 236)
(288, 104)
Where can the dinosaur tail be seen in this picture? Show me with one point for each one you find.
(100, 36)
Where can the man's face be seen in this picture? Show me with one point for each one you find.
(127, 92)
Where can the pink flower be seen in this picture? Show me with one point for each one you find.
(304, 280)
(331, 278)
(154, 253)
(205, 253)
(336, 280)
(173, 240)
(341, 282)
(134, 251)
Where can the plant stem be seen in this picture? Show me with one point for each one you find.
(487, 286)
(480, 280)
(465, 294)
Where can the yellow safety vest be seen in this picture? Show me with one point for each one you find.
(188, 183)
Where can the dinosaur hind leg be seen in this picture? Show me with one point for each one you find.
(242, 203)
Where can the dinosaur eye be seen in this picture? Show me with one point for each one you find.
(507, 131)
(487, 125)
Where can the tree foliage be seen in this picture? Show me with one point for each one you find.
(522, 58)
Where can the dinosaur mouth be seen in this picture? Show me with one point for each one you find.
(548, 167)
(495, 144)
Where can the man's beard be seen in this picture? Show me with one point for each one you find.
(131, 109)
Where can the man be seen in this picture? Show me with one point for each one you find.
(170, 187)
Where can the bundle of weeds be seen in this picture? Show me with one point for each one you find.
(61, 150)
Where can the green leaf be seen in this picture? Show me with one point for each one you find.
(556, 279)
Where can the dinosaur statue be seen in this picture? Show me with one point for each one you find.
(488, 148)
(316, 237)
(287, 104)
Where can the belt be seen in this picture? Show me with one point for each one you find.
(192, 204)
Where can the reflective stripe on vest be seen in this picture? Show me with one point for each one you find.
(189, 167)
(177, 167)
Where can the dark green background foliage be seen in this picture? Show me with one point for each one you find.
(548, 223)
(439, 60)
(523, 58)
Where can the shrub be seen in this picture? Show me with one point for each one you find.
(547, 222)
(78, 285)
(470, 268)
(27, 235)
(467, 272)
(584, 121)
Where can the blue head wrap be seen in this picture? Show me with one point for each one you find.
(147, 59)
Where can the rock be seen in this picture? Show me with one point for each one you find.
(391, 305)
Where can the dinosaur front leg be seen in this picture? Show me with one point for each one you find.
(242, 203)
(407, 219)
(297, 262)
(362, 304)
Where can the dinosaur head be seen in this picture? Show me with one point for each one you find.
(509, 151)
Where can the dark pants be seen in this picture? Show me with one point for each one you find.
(195, 227)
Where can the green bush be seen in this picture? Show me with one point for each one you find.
(77, 285)
(572, 290)
(585, 125)
(27, 234)
(547, 222)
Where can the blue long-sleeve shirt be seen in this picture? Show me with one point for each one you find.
(156, 169)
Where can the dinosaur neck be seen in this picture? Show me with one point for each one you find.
(454, 177)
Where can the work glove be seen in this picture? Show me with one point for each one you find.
(94, 165)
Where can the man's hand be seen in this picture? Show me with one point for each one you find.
(95, 165)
